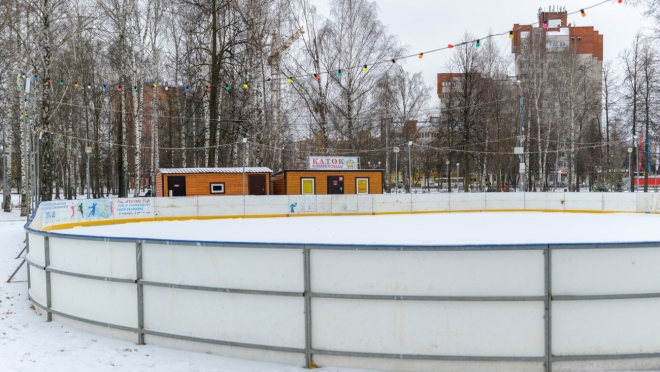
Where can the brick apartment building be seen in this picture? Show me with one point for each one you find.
(538, 48)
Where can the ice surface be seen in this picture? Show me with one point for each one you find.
(415, 229)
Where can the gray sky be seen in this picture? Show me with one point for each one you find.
(429, 24)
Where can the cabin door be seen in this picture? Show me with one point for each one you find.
(257, 184)
(335, 184)
(177, 185)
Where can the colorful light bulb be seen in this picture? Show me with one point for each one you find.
(420, 56)
(510, 34)
(365, 68)
(478, 44)
(583, 12)
(339, 73)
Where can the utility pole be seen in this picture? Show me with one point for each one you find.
(243, 177)
(520, 150)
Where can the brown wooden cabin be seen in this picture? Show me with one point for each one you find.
(321, 182)
(213, 181)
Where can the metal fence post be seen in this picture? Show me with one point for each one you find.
(49, 315)
(308, 310)
(140, 297)
(548, 310)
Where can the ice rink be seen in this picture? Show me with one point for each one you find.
(415, 229)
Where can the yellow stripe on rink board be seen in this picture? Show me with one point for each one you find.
(185, 218)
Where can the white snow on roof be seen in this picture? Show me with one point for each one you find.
(215, 170)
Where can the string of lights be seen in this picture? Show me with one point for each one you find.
(365, 67)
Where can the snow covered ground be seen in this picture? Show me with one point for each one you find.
(29, 343)
(417, 229)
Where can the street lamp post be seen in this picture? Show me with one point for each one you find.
(637, 161)
(521, 143)
(243, 177)
(396, 169)
(88, 151)
(409, 167)
(458, 175)
(448, 177)
(632, 187)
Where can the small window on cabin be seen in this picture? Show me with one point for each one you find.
(218, 188)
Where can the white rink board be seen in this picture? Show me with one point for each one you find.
(224, 267)
(109, 259)
(37, 249)
(38, 285)
(102, 301)
(605, 271)
(462, 273)
(245, 318)
(429, 328)
(606, 327)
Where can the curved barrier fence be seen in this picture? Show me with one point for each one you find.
(415, 308)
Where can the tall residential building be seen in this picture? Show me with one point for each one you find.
(549, 56)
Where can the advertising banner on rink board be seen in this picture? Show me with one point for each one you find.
(333, 162)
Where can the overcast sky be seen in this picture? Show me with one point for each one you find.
(429, 24)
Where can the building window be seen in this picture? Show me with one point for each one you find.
(362, 185)
(218, 188)
(307, 185)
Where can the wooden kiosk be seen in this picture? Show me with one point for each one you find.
(213, 181)
(343, 181)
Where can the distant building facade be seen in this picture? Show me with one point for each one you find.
(541, 54)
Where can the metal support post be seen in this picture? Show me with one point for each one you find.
(548, 309)
(140, 295)
(49, 316)
(409, 167)
(396, 169)
(88, 151)
(308, 310)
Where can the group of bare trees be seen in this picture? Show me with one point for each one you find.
(148, 84)
(143, 84)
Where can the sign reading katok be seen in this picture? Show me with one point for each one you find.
(333, 162)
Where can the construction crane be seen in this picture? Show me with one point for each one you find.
(274, 62)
